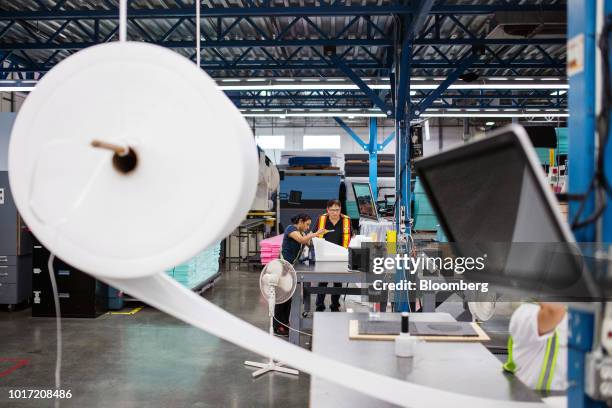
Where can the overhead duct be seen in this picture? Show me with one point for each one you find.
(534, 24)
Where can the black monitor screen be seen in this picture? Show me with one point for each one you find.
(490, 192)
(365, 201)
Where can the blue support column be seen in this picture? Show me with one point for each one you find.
(373, 152)
(581, 161)
(581, 142)
(607, 216)
(402, 136)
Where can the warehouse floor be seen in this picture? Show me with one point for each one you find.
(148, 359)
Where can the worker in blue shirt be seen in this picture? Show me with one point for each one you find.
(294, 239)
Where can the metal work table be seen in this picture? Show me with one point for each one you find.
(466, 368)
(314, 273)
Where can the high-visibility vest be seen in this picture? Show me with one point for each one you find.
(346, 228)
(548, 364)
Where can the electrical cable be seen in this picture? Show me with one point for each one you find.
(599, 184)
(291, 328)
(58, 327)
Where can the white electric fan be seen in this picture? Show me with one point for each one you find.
(483, 306)
(277, 283)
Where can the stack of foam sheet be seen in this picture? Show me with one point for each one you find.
(270, 249)
(198, 269)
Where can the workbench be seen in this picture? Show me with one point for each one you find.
(466, 368)
(308, 276)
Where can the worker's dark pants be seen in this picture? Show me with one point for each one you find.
(281, 313)
(335, 299)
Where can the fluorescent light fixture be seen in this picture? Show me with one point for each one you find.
(17, 86)
(313, 114)
(495, 115)
(347, 86)
(17, 89)
(269, 84)
(490, 123)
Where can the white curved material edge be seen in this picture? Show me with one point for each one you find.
(329, 252)
(163, 293)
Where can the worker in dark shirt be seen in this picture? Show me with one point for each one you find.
(295, 237)
(337, 228)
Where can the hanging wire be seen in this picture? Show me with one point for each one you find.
(197, 36)
(122, 20)
(58, 328)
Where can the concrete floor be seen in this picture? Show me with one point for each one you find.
(146, 360)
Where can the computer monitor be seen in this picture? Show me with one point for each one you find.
(490, 195)
(365, 201)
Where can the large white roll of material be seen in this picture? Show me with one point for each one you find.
(197, 161)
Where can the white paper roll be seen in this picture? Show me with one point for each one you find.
(197, 160)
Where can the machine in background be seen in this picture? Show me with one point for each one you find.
(15, 251)
(242, 246)
(80, 295)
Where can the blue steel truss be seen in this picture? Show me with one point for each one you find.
(33, 40)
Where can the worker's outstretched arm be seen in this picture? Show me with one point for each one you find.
(305, 239)
(549, 316)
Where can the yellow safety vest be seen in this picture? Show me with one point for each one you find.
(346, 228)
(548, 365)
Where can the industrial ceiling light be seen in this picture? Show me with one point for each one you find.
(265, 84)
(496, 115)
(325, 114)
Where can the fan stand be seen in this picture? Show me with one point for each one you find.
(271, 365)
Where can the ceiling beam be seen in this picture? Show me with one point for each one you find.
(277, 11)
